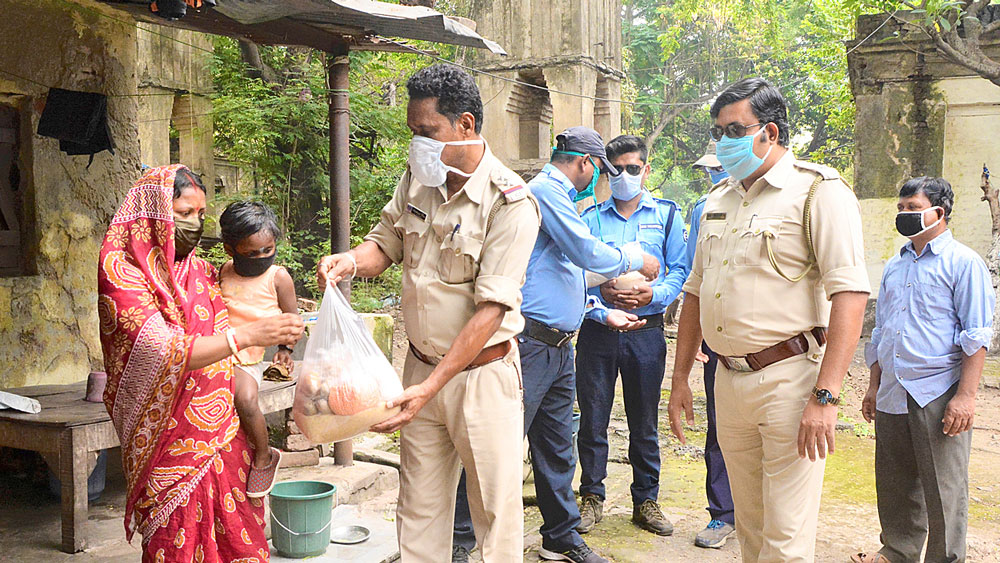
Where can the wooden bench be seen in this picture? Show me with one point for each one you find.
(69, 428)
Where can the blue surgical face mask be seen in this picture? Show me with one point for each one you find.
(625, 187)
(737, 156)
(717, 175)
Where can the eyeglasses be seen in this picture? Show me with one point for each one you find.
(733, 130)
(631, 169)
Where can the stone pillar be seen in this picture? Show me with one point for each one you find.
(192, 118)
(156, 106)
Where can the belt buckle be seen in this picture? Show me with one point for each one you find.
(565, 339)
(739, 364)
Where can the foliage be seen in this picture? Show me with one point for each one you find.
(683, 52)
(278, 131)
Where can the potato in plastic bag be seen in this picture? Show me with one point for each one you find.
(345, 379)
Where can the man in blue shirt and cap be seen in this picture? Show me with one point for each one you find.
(630, 216)
(555, 300)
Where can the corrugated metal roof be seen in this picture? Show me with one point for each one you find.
(320, 23)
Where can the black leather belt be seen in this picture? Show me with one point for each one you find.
(546, 334)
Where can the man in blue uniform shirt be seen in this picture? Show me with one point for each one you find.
(630, 215)
(720, 498)
(555, 299)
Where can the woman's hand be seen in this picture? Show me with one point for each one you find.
(280, 329)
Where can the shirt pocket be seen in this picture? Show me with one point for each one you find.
(414, 237)
(755, 237)
(459, 260)
(710, 241)
(931, 302)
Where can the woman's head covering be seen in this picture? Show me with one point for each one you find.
(151, 310)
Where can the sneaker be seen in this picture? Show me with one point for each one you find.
(578, 554)
(591, 512)
(459, 554)
(714, 535)
(649, 517)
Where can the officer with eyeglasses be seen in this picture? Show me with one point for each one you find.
(778, 286)
(630, 216)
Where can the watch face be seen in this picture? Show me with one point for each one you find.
(823, 396)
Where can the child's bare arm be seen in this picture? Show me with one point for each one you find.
(285, 287)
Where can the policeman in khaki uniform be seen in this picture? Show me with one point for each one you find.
(462, 225)
(779, 286)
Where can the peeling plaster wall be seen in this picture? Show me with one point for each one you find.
(567, 45)
(48, 321)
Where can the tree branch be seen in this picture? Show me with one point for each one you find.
(250, 53)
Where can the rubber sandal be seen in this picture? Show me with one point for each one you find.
(875, 557)
(261, 481)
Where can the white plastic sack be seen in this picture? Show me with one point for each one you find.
(345, 379)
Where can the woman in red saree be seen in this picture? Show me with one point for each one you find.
(170, 379)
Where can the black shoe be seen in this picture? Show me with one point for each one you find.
(578, 554)
(459, 554)
(591, 512)
(649, 517)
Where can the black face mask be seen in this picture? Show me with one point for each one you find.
(187, 233)
(911, 223)
(251, 267)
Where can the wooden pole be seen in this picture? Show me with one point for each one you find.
(338, 71)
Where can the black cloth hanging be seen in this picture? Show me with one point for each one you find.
(79, 120)
(177, 9)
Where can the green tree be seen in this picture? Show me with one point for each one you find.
(681, 53)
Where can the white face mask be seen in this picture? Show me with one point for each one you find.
(425, 160)
(625, 187)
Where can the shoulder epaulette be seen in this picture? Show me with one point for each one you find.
(823, 170)
(509, 184)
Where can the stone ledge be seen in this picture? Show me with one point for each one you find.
(355, 484)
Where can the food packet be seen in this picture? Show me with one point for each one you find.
(345, 379)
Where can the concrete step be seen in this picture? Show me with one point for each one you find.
(356, 484)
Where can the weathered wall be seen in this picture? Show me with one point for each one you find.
(569, 46)
(48, 321)
(918, 114)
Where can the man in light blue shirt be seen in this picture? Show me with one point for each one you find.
(555, 299)
(630, 216)
(933, 324)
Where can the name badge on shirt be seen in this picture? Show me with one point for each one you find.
(654, 226)
(422, 215)
(715, 216)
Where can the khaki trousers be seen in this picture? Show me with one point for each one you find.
(776, 494)
(477, 421)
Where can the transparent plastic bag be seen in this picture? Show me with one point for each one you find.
(345, 379)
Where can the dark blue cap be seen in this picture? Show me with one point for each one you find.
(586, 141)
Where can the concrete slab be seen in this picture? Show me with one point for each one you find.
(380, 547)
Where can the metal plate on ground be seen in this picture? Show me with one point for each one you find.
(348, 535)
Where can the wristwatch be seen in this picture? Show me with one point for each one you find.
(285, 348)
(825, 397)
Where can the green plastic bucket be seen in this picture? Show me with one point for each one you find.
(300, 517)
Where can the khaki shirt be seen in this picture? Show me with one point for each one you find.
(450, 263)
(745, 305)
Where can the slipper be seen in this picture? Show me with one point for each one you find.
(261, 481)
(875, 557)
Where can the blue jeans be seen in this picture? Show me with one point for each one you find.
(549, 393)
(640, 357)
(720, 499)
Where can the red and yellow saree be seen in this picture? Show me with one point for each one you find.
(185, 458)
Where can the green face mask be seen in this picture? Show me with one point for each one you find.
(589, 190)
(187, 233)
